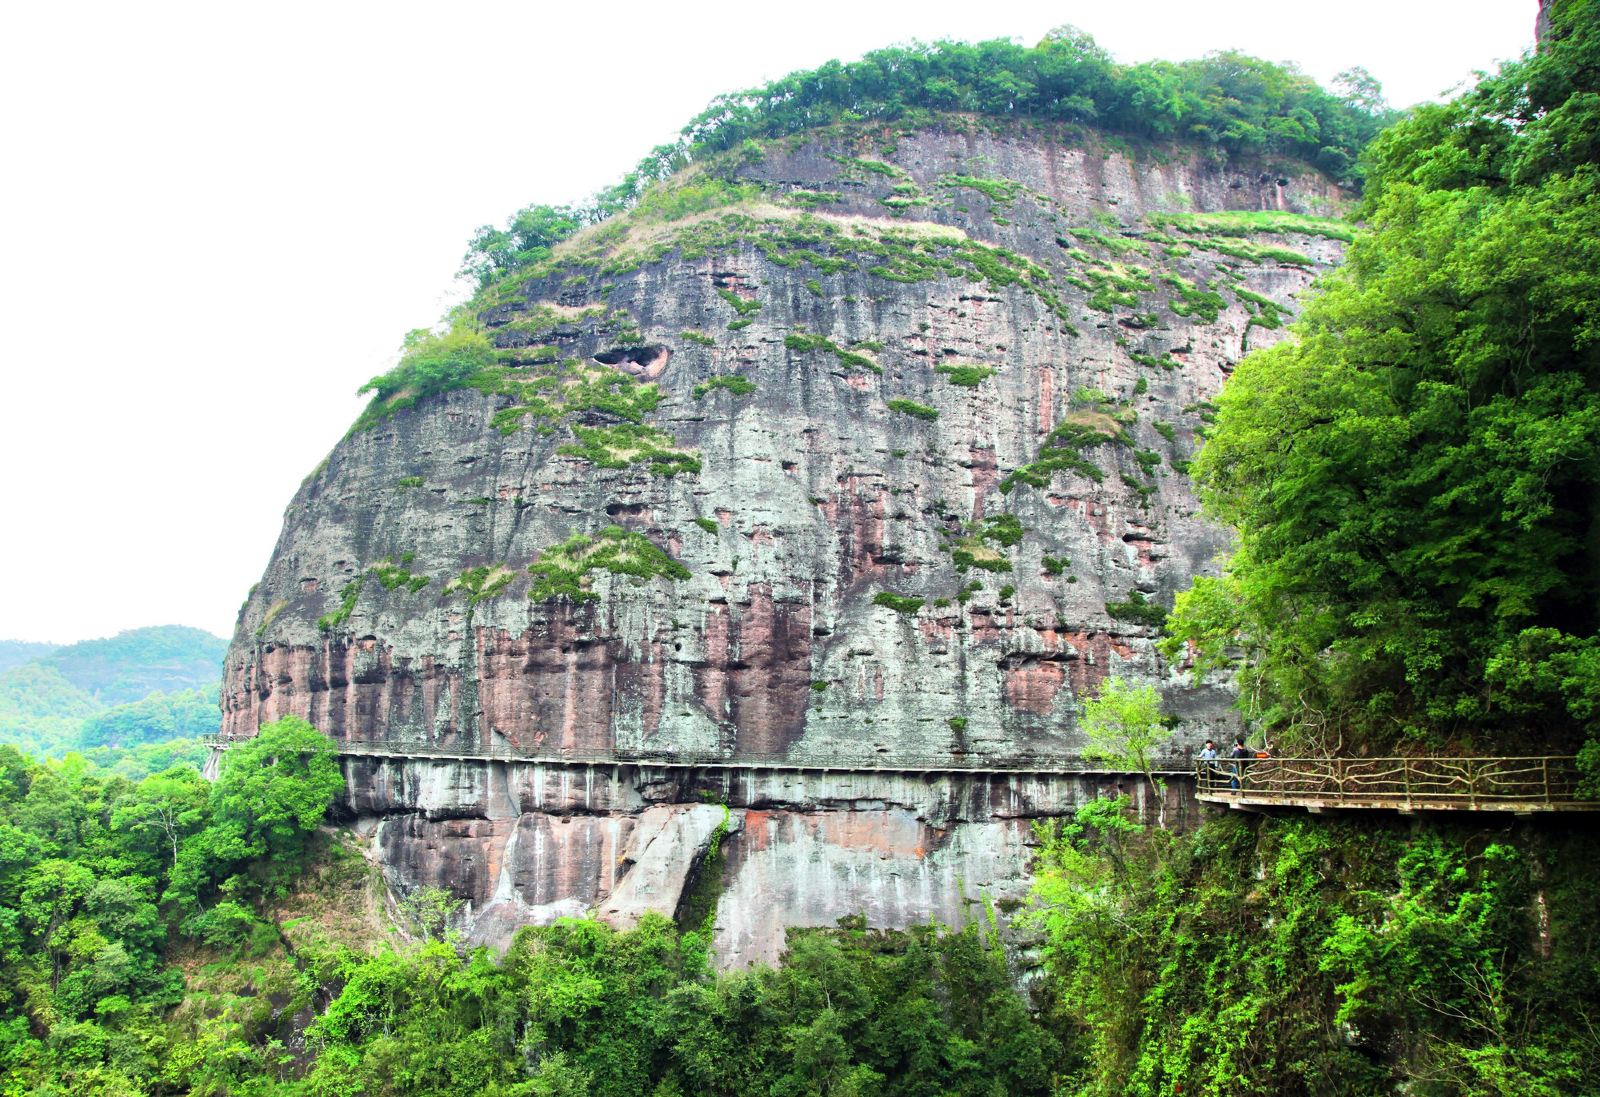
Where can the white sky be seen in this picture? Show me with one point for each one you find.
(217, 220)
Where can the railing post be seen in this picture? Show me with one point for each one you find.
(1405, 775)
(1544, 769)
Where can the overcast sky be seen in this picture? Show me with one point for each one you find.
(219, 219)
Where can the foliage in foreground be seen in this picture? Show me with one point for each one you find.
(100, 877)
(1285, 956)
(579, 1009)
(140, 953)
(1414, 479)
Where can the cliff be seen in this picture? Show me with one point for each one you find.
(857, 450)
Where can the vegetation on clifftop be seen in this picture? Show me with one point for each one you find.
(1227, 104)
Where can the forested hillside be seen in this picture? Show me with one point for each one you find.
(145, 685)
(13, 653)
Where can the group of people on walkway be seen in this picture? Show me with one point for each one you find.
(1238, 758)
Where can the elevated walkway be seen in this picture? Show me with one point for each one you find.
(739, 760)
(1521, 785)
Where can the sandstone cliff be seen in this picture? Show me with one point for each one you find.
(863, 451)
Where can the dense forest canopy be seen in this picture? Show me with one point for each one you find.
(1227, 104)
(100, 876)
(1416, 477)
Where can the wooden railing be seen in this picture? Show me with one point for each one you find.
(1536, 783)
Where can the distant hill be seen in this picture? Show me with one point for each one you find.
(146, 685)
(133, 664)
(13, 653)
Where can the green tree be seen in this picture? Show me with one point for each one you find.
(167, 807)
(527, 239)
(272, 792)
(1415, 478)
(1124, 727)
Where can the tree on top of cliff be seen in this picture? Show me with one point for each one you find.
(1228, 104)
(1416, 479)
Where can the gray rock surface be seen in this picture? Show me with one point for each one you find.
(813, 496)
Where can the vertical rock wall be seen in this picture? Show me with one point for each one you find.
(915, 457)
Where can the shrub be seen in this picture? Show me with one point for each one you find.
(743, 306)
(965, 376)
(1139, 610)
(732, 382)
(562, 571)
(914, 409)
(430, 363)
(900, 603)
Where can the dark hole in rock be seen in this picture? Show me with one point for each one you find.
(1283, 182)
(638, 356)
(646, 362)
(629, 510)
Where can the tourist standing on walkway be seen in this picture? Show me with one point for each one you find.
(1238, 754)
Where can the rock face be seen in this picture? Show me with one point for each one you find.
(876, 457)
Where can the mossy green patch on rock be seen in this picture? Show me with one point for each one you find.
(563, 571)
(479, 583)
(803, 343)
(913, 409)
(1251, 222)
(729, 382)
(980, 545)
(900, 603)
(966, 375)
(744, 306)
(394, 574)
(551, 392)
(626, 444)
(1002, 192)
(348, 595)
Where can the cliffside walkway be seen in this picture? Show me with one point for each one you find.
(1519, 785)
(1172, 767)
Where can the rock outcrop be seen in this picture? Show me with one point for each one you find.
(848, 454)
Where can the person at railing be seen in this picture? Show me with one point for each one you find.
(1208, 763)
(1240, 755)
